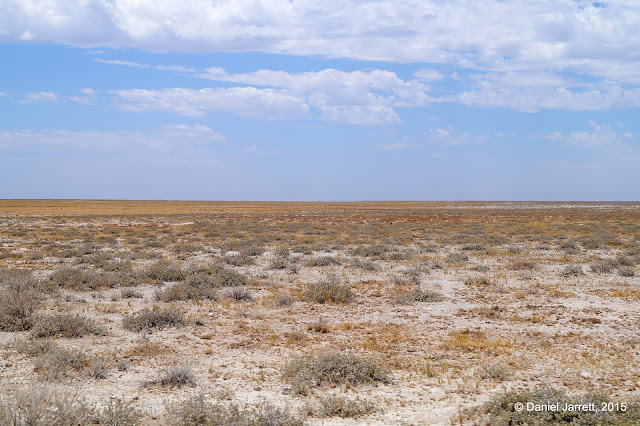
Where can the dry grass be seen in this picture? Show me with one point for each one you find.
(259, 283)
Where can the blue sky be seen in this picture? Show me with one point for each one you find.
(337, 100)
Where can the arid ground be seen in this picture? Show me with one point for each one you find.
(132, 312)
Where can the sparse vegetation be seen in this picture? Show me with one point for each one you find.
(19, 301)
(328, 290)
(148, 319)
(500, 410)
(332, 369)
(199, 411)
(66, 325)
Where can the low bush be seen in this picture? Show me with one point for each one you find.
(238, 260)
(163, 271)
(418, 295)
(66, 325)
(80, 280)
(571, 271)
(500, 410)
(148, 319)
(323, 261)
(328, 290)
(47, 406)
(626, 272)
(175, 377)
(19, 300)
(332, 369)
(55, 362)
(241, 295)
(345, 408)
(198, 410)
(603, 267)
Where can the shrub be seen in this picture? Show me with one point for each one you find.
(332, 369)
(329, 290)
(221, 275)
(148, 319)
(474, 247)
(98, 368)
(66, 325)
(46, 406)
(252, 251)
(523, 264)
(279, 263)
(197, 410)
(282, 252)
(500, 410)
(495, 371)
(241, 294)
(364, 265)
(626, 272)
(238, 260)
(163, 271)
(80, 280)
(175, 377)
(341, 407)
(604, 267)
(571, 271)
(418, 295)
(196, 287)
(129, 293)
(19, 301)
(477, 281)
(323, 261)
(56, 362)
(282, 300)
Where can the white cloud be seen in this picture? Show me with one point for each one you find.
(169, 138)
(601, 136)
(449, 136)
(356, 97)
(492, 35)
(123, 63)
(428, 75)
(265, 104)
(31, 98)
(531, 91)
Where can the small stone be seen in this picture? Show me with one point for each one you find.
(286, 390)
(585, 374)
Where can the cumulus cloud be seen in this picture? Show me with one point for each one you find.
(531, 91)
(491, 35)
(357, 97)
(601, 136)
(265, 104)
(31, 98)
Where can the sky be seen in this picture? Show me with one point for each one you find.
(320, 100)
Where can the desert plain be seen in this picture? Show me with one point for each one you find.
(377, 313)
